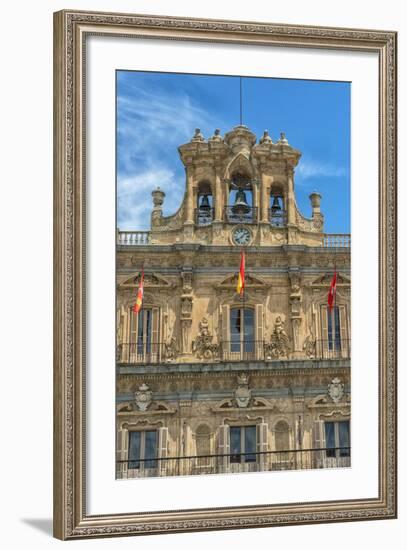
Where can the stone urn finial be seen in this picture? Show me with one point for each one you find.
(283, 140)
(315, 199)
(265, 138)
(198, 136)
(158, 198)
(216, 136)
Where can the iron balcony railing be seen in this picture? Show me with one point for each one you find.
(234, 216)
(204, 216)
(266, 461)
(148, 352)
(241, 350)
(277, 218)
(333, 348)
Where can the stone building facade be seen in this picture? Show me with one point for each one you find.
(209, 381)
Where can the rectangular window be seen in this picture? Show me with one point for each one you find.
(144, 332)
(242, 331)
(242, 444)
(337, 438)
(143, 449)
(334, 329)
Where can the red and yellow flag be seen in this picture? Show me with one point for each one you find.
(240, 278)
(140, 292)
(332, 292)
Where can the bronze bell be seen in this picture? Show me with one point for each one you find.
(205, 203)
(275, 207)
(240, 207)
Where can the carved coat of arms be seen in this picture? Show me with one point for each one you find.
(242, 392)
(336, 390)
(143, 397)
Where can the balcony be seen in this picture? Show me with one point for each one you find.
(149, 353)
(267, 461)
(250, 216)
(204, 216)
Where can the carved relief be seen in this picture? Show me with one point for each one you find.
(242, 392)
(170, 349)
(203, 346)
(336, 390)
(143, 397)
(279, 345)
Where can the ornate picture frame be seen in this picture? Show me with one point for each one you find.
(72, 520)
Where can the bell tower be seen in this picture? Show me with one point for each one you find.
(238, 192)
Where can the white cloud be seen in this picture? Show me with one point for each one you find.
(134, 200)
(312, 169)
(150, 128)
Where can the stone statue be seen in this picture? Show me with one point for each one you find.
(280, 344)
(171, 349)
(203, 345)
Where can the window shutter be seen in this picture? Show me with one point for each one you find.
(162, 449)
(343, 331)
(262, 444)
(132, 339)
(155, 333)
(318, 442)
(225, 328)
(224, 447)
(122, 450)
(259, 331)
(324, 347)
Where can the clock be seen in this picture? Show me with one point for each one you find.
(241, 236)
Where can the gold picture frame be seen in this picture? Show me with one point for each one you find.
(71, 29)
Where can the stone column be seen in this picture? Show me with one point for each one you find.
(189, 214)
(264, 199)
(218, 199)
(290, 196)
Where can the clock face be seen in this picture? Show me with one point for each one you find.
(241, 236)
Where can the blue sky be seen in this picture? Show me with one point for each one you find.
(157, 112)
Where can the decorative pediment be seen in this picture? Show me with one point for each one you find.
(151, 280)
(250, 281)
(254, 403)
(240, 163)
(325, 281)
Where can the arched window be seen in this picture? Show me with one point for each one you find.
(277, 210)
(281, 436)
(240, 207)
(204, 206)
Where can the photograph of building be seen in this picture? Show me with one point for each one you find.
(233, 319)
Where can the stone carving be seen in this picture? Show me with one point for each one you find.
(309, 346)
(280, 344)
(203, 345)
(186, 281)
(170, 349)
(242, 392)
(143, 397)
(336, 390)
(186, 305)
(216, 136)
(185, 329)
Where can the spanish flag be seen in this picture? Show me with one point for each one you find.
(240, 279)
(140, 292)
(332, 292)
